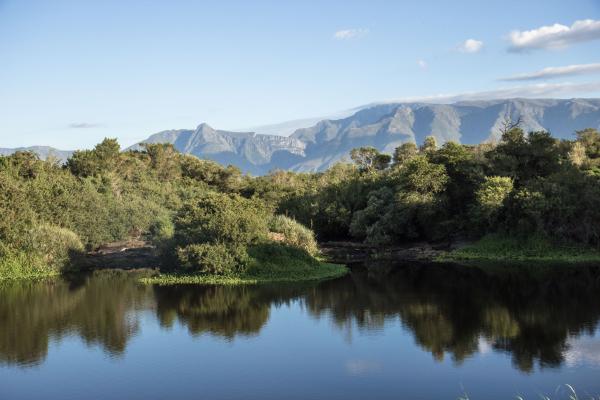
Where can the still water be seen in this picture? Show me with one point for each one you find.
(402, 332)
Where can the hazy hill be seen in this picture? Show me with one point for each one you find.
(43, 152)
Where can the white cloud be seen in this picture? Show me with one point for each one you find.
(541, 90)
(346, 34)
(554, 72)
(84, 125)
(554, 36)
(422, 64)
(470, 46)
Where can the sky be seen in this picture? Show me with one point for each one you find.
(74, 72)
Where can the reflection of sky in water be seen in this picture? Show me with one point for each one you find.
(362, 367)
(583, 350)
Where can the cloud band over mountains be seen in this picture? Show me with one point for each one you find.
(540, 90)
(555, 72)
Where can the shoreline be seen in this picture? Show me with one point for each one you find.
(491, 251)
(327, 271)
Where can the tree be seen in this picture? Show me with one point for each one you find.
(404, 152)
(490, 197)
(418, 201)
(103, 158)
(164, 159)
(524, 158)
(429, 144)
(464, 174)
(590, 139)
(369, 159)
(578, 155)
(421, 176)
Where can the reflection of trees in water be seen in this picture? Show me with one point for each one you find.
(97, 309)
(527, 312)
(220, 310)
(225, 311)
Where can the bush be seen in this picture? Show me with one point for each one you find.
(213, 258)
(47, 250)
(294, 234)
(212, 233)
(161, 229)
(53, 246)
(18, 264)
(221, 218)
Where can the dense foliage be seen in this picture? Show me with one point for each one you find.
(527, 184)
(211, 219)
(191, 209)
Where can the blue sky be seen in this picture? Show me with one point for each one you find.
(73, 72)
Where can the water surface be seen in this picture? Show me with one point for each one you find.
(419, 332)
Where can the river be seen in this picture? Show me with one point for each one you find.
(383, 332)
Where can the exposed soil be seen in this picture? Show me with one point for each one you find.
(129, 255)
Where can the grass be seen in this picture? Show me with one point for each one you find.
(17, 266)
(513, 249)
(269, 264)
(565, 391)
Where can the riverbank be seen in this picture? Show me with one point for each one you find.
(497, 248)
(266, 266)
(284, 266)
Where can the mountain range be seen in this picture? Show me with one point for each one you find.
(44, 152)
(383, 126)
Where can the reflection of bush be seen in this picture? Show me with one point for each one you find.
(218, 310)
(527, 313)
(95, 309)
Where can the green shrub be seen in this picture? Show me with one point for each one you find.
(161, 229)
(15, 264)
(53, 246)
(212, 233)
(213, 258)
(46, 250)
(294, 234)
(221, 218)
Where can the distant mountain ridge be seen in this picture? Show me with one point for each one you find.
(43, 152)
(384, 126)
(250, 152)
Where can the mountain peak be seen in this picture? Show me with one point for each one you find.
(204, 126)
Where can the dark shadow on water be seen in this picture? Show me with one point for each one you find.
(529, 313)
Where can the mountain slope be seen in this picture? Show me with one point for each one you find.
(384, 126)
(43, 152)
(252, 153)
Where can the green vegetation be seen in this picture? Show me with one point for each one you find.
(526, 185)
(194, 211)
(209, 220)
(294, 234)
(267, 263)
(509, 249)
